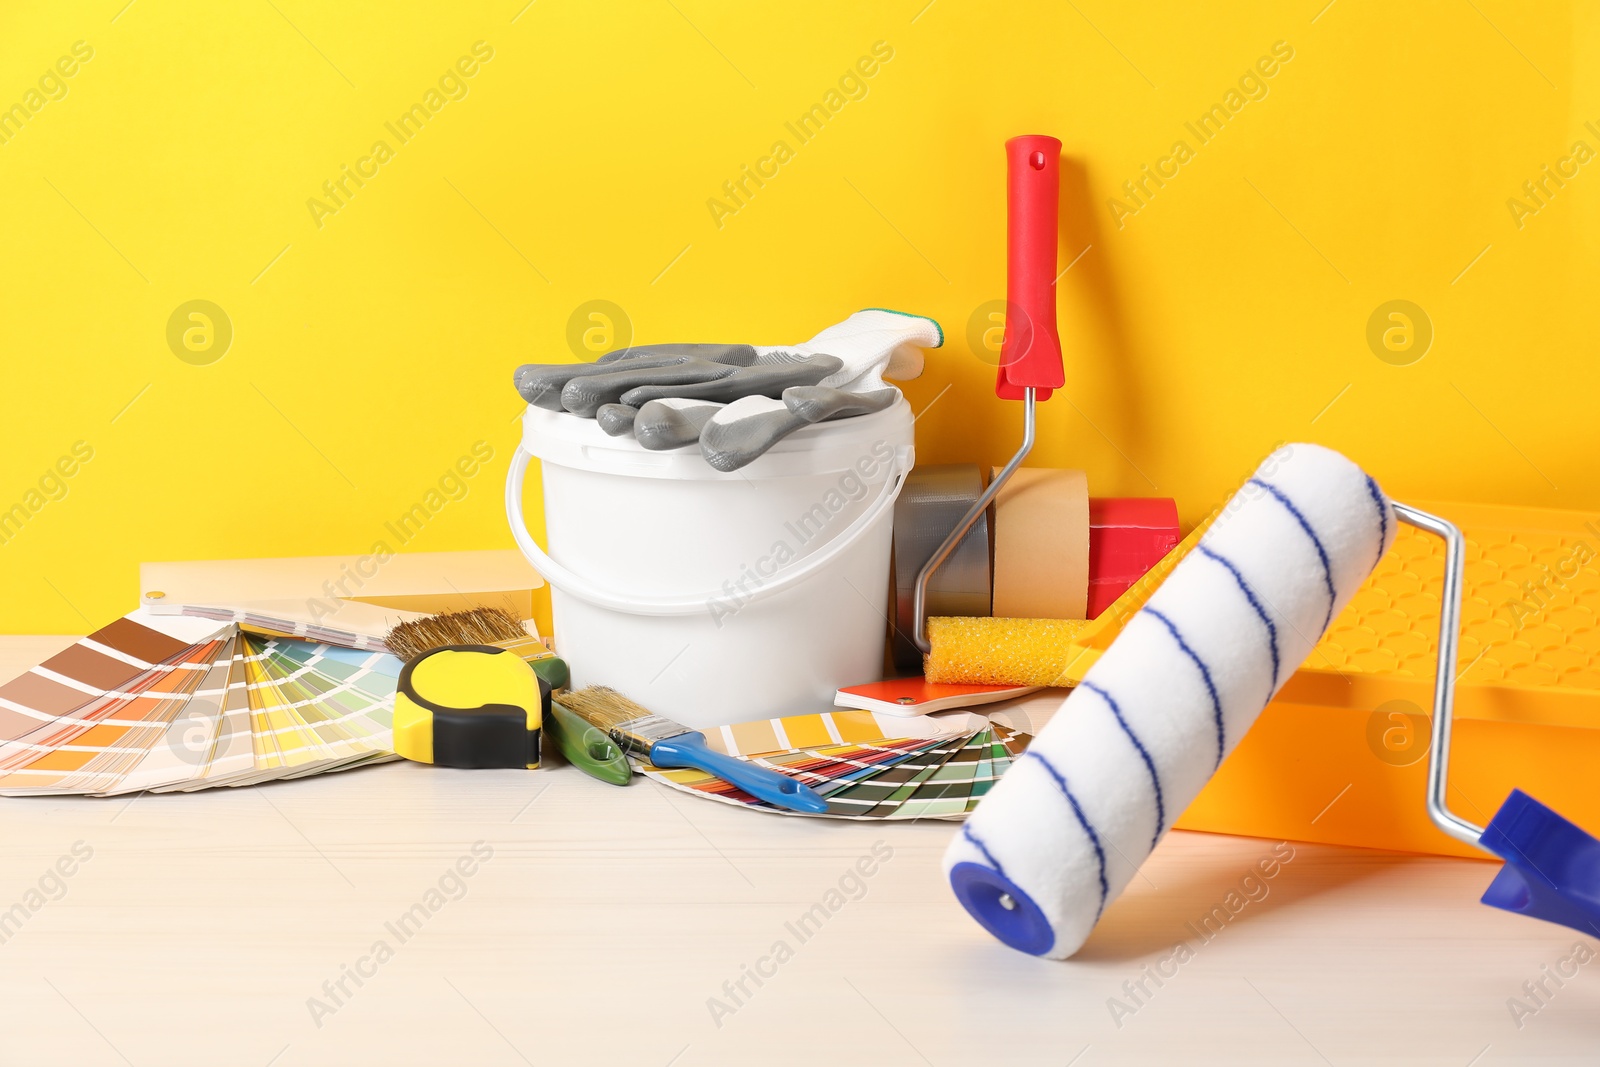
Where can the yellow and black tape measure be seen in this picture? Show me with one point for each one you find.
(470, 706)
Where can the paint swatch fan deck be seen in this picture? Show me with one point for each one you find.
(873, 766)
(172, 703)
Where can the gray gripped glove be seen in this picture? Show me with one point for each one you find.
(738, 400)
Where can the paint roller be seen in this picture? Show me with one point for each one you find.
(1030, 350)
(1063, 833)
(1125, 536)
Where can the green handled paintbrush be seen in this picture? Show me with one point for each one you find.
(587, 747)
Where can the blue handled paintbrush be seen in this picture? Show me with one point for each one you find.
(669, 744)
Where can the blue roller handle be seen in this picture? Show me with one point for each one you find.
(1552, 869)
(690, 750)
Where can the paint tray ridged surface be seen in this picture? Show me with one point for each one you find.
(1342, 755)
(134, 707)
(1530, 628)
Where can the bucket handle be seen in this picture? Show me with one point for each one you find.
(592, 593)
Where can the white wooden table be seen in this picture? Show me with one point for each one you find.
(597, 923)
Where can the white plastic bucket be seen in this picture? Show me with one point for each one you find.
(716, 598)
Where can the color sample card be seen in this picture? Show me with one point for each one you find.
(132, 708)
(283, 624)
(93, 747)
(116, 659)
(939, 767)
(831, 727)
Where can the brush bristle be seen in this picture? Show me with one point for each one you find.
(478, 626)
(603, 706)
(631, 726)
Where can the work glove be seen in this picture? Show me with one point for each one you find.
(738, 400)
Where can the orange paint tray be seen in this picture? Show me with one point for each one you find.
(1341, 755)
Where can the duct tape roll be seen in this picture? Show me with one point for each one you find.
(1041, 545)
(932, 503)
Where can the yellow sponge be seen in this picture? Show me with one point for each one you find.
(979, 651)
(982, 651)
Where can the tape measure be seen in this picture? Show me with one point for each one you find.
(470, 706)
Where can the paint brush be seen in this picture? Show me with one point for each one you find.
(479, 626)
(669, 744)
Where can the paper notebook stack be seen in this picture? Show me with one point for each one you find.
(184, 703)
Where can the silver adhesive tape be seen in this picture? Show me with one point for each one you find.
(931, 504)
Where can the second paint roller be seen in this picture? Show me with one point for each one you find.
(1058, 556)
(1030, 352)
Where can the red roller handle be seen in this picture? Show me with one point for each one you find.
(1030, 353)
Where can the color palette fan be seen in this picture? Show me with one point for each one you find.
(867, 767)
(181, 704)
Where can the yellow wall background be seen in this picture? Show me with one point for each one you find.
(371, 352)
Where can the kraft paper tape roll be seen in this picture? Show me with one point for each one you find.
(933, 501)
(1041, 545)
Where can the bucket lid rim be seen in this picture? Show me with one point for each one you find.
(822, 448)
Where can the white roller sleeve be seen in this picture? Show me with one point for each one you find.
(1063, 833)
